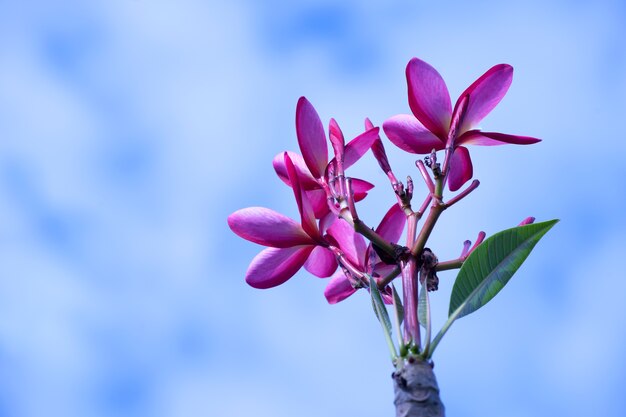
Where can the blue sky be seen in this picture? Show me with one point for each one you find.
(129, 130)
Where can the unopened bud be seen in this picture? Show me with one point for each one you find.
(527, 220)
(381, 156)
(336, 139)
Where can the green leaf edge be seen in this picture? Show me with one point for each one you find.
(534, 232)
(382, 315)
(455, 314)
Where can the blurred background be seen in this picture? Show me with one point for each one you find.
(130, 129)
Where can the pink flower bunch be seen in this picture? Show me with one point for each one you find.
(330, 234)
(318, 242)
(435, 125)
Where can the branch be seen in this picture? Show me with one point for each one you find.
(416, 390)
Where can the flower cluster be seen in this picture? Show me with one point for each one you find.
(318, 242)
(329, 239)
(434, 125)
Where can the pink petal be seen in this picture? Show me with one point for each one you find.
(321, 262)
(378, 150)
(335, 133)
(428, 97)
(339, 288)
(407, 133)
(390, 229)
(358, 146)
(267, 227)
(387, 296)
(304, 205)
(311, 137)
(327, 221)
(360, 188)
(350, 242)
(274, 266)
(319, 202)
(336, 137)
(382, 269)
(461, 169)
(476, 137)
(306, 179)
(392, 225)
(527, 220)
(485, 93)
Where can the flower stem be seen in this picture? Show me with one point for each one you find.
(409, 288)
(373, 237)
(435, 211)
(447, 265)
(383, 282)
(463, 193)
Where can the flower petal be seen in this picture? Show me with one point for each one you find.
(360, 188)
(358, 146)
(306, 179)
(527, 220)
(339, 288)
(484, 94)
(392, 225)
(321, 262)
(476, 137)
(390, 229)
(350, 242)
(267, 227)
(461, 169)
(311, 137)
(381, 269)
(336, 138)
(327, 221)
(379, 150)
(304, 205)
(407, 133)
(319, 202)
(272, 266)
(429, 98)
(387, 296)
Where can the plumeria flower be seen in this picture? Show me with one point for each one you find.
(435, 125)
(312, 166)
(363, 257)
(290, 245)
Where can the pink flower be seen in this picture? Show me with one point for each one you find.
(290, 245)
(363, 257)
(312, 166)
(435, 125)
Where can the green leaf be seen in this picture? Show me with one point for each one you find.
(399, 315)
(487, 270)
(397, 305)
(423, 306)
(383, 316)
(379, 306)
(423, 310)
(491, 265)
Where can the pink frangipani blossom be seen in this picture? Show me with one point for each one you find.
(312, 166)
(363, 257)
(435, 125)
(290, 245)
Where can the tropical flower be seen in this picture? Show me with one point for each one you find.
(435, 125)
(290, 245)
(312, 166)
(363, 257)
